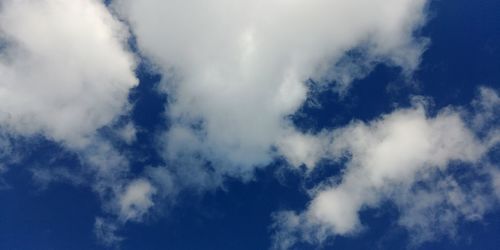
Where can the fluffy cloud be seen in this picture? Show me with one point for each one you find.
(65, 72)
(385, 160)
(389, 152)
(64, 68)
(235, 69)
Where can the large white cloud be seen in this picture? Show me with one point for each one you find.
(235, 69)
(64, 68)
(65, 72)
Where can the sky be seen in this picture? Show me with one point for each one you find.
(263, 124)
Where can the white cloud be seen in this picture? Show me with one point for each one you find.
(385, 160)
(65, 72)
(389, 152)
(235, 69)
(136, 200)
(64, 68)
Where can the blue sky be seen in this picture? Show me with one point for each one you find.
(249, 125)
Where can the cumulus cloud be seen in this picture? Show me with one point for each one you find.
(64, 68)
(66, 72)
(386, 159)
(234, 70)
